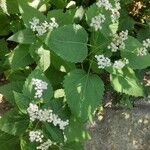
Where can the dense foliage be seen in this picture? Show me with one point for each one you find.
(59, 57)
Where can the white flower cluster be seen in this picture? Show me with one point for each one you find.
(46, 145)
(104, 3)
(115, 12)
(45, 115)
(36, 136)
(97, 22)
(118, 41)
(108, 6)
(103, 61)
(119, 64)
(42, 28)
(106, 62)
(40, 86)
(143, 50)
(146, 43)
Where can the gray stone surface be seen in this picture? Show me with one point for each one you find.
(121, 129)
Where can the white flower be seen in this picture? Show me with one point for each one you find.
(103, 61)
(142, 51)
(33, 111)
(45, 145)
(53, 24)
(146, 43)
(40, 86)
(42, 28)
(57, 121)
(97, 22)
(36, 136)
(63, 124)
(115, 15)
(118, 41)
(34, 23)
(108, 6)
(104, 3)
(45, 115)
(119, 64)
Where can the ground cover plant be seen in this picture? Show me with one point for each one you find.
(59, 57)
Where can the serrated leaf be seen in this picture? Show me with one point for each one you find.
(24, 36)
(61, 65)
(69, 43)
(93, 11)
(22, 102)
(40, 55)
(83, 93)
(51, 74)
(99, 43)
(143, 33)
(130, 52)
(61, 17)
(20, 57)
(28, 88)
(25, 144)
(75, 131)
(7, 90)
(28, 13)
(137, 62)
(14, 123)
(125, 81)
(9, 141)
(131, 44)
(53, 132)
(126, 22)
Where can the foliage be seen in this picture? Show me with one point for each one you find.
(55, 56)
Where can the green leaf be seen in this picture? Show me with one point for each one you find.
(28, 13)
(93, 11)
(4, 25)
(9, 141)
(126, 22)
(143, 33)
(61, 17)
(83, 92)
(137, 62)
(26, 144)
(10, 6)
(20, 57)
(53, 132)
(131, 44)
(14, 123)
(59, 3)
(24, 36)
(125, 81)
(59, 107)
(22, 102)
(69, 43)
(130, 52)
(40, 55)
(51, 74)
(99, 43)
(28, 88)
(60, 64)
(7, 90)
(76, 132)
